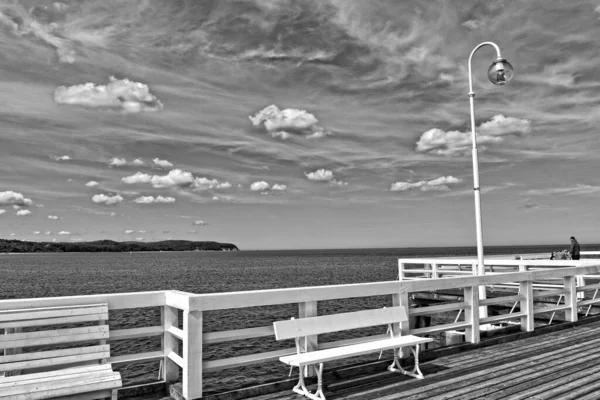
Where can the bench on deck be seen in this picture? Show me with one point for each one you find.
(298, 328)
(56, 352)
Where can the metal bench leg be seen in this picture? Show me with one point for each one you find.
(396, 367)
(300, 387)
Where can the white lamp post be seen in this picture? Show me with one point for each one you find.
(499, 73)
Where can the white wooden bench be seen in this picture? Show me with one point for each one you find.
(45, 356)
(303, 327)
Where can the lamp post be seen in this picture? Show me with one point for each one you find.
(499, 73)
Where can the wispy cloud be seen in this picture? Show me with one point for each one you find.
(576, 190)
(162, 163)
(22, 213)
(437, 184)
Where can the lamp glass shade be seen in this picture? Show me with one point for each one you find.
(500, 72)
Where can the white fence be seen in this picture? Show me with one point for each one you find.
(181, 352)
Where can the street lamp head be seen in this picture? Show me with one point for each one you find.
(500, 72)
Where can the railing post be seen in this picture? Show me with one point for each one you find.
(170, 370)
(192, 355)
(401, 299)
(471, 295)
(570, 283)
(400, 270)
(526, 305)
(308, 309)
(435, 275)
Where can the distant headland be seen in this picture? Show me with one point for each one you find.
(18, 246)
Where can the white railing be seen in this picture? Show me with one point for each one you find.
(182, 348)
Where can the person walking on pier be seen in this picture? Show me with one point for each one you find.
(574, 251)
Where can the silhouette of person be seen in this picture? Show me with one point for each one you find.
(574, 250)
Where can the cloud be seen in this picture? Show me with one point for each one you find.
(453, 143)
(52, 217)
(200, 223)
(48, 233)
(439, 184)
(259, 186)
(10, 197)
(138, 177)
(16, 207)
(92, 184)
(320, 175)
(107, 199)
(576, 190)
(139, 239)
(205, 183)
(2, 212)
(153, 200)
(335, 182)
(279, 187)
(119, 94)
(22, 213)
(290, 121)
(138, 161)
(129, 231)
(175, 177)
(36, 232)
(162, 163)
(112, 214)
(64, 233)
(117, 162)
(39, 205)
(13, 234)
(472, 24)
(63, 158)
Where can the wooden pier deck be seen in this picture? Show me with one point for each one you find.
(562, 364)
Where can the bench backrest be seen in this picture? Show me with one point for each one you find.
(294, 328)
(78, 327)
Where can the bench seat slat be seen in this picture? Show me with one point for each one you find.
(358, 349)
(51, 312)
(71, 385)
(101, 368)
(55, 321)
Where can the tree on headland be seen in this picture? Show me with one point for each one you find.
(18, 246)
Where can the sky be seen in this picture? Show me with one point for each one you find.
(298, 124)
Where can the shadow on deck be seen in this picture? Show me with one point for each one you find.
(557, 362)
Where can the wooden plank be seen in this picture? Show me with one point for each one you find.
(440, 328)
(347, 342)
(135, 333)
(67, 388)
(500, 300)
(43, 377)
(437, 309)
(56, 336)
(337, 353)
(139, 357)
(337, 322)
(52, 353)
(55, 321)
(191, 374)
(176, 332)
(541, 310)
(115, 301)
(502, 317)
(228, 300)
(240, 361)
(51, 312)
(100, 368)
(176, 358)
(54, 340)
(47, 362)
